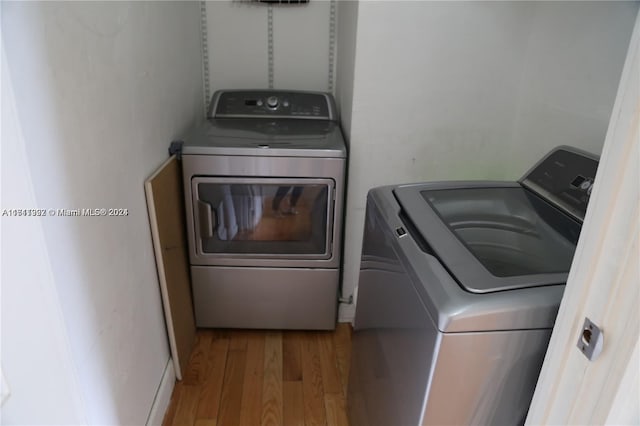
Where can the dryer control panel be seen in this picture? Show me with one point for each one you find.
(272, 104)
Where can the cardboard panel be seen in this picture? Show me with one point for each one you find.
(166, 215)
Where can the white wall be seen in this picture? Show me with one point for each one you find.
(347, 30)
(101, 89)
(475, 90)
(238, 41)
(35, 352)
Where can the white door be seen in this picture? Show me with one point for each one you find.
(603, 285)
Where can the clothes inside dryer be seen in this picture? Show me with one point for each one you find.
(267, 218)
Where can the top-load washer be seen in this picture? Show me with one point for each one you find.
(460, 283)
(264, 189)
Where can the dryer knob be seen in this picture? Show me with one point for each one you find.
(272, 102)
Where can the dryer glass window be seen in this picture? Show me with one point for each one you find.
(510, 231)
(264, 217)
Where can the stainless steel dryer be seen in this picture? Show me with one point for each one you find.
(264, 189)
(460, 284)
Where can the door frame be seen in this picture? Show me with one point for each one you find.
(603, 285)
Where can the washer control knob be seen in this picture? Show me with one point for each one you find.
(272, 102)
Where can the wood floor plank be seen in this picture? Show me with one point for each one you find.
(336, 408)
(248, 385)
(292, 364)
(330, 377)
(293, 403)
(196, 370)
(209, 402)
(342, 344)
(186, 409)
(238, 340)
(231, 399)
(272, 394)
(251, 406)
(312, 390)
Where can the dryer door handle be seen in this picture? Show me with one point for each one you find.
(206, 217)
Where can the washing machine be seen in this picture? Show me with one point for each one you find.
(264, 182)
(459, 287)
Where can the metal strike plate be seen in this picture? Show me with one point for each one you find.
(591, 340)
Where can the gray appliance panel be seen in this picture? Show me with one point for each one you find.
(392, 347)
(243, 167)
(265, 137)
(424, 351)
(451, 308)
(484, 378)
(523, 232)
(272, 103)
(265, 298)
(564, 177)
(418, 376)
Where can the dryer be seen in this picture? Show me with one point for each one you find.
(264, 190)
(459, 287)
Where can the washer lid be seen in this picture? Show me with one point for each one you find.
(491, 236)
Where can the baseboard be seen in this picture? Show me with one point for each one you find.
(163, 396)
(346, 313)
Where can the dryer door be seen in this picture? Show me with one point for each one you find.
(263, 218)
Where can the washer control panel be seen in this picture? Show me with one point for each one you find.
(565, 177)
(272, 104)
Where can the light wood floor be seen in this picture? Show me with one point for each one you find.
(257, 378)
